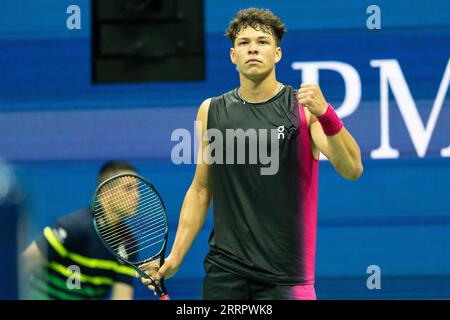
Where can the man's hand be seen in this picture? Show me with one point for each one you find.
(155, 272)
(312, 98)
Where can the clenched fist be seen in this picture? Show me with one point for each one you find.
(311, 97)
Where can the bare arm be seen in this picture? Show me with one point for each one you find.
(122, 291)
(29, 260)
(193, 211)
(198, 197)
(341, 148)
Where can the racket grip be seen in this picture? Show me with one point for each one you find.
(161, 291)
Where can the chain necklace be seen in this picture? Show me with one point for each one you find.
(280, 87)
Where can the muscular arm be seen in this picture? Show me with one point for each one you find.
(198, 198)
(341, 149)
(193, 211)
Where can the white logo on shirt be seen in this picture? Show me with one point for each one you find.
(280, 132)
(122, 252)
(60, 234)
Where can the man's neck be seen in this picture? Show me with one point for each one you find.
(258, 91)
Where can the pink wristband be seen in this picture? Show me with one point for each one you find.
(331, 124)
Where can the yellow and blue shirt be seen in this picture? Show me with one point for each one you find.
(79, 267)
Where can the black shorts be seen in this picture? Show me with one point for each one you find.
(220, 284)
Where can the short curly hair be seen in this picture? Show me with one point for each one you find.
(258, 19)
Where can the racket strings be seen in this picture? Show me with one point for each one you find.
(114, 239)
(141, 219)
(116, 243)
(137, 240)
(114, 186)
(122, 226)
(153, 202)
(113, 191)
(111, 194)
(139, 226)
(143, 226)
(132, 223)
(142, 249)
(144, 232)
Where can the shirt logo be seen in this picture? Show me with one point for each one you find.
(122, 252)
(60, 234)
(280, 132)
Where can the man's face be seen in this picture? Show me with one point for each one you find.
(125, 193)
(255, 53)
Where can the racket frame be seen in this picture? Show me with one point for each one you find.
(162, 292)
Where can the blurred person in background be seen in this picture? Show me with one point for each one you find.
(12, 201)
(69, 262)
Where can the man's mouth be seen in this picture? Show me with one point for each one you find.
(253, 61)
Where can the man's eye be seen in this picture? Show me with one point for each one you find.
(242, 43)
(263, 42)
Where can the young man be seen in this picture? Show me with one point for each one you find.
(47, 264)
(264, 237)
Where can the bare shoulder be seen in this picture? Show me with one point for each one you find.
(205, 105)
(202, 114)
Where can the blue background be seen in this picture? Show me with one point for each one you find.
(57, 128)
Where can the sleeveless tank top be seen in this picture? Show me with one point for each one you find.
(265, 201)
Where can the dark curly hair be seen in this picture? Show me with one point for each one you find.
(258, 19)
(111, 168)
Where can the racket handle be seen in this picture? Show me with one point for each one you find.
(161, 291)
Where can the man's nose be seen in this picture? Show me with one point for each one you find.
(252, 48)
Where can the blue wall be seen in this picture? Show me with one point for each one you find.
(57, 127)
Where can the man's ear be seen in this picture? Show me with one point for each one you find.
(278, 54)
(232, 57)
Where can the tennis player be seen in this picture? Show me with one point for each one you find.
(71, 251)
(264, 237)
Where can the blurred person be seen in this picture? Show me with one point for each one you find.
(12, 201)
(50, 264)
(264, 236)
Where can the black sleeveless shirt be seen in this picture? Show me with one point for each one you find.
(265, 203)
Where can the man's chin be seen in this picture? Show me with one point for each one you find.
(255, 75)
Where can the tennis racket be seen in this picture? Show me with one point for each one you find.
(130, 218)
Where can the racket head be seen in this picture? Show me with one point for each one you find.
(130, 219)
